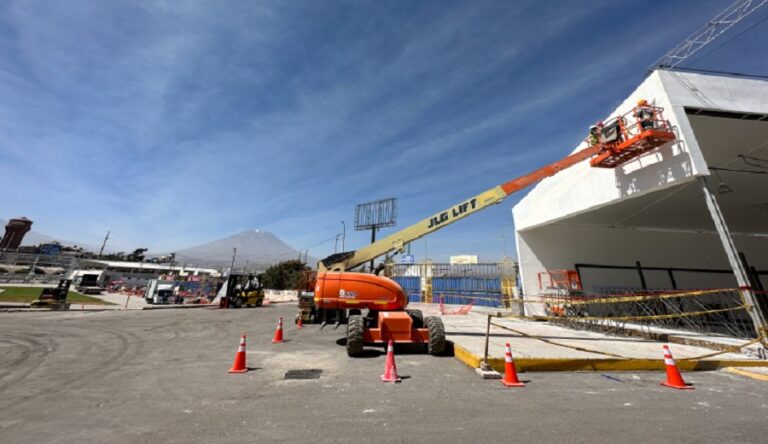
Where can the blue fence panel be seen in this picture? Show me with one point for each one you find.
(411, 285)
(484, 292)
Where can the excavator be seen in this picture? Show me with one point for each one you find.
(374, 306)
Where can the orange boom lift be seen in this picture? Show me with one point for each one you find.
(374, 306)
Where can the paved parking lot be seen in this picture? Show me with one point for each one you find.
(161, 376)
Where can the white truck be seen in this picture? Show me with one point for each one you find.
(159, 292)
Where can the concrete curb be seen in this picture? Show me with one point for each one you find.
(48, 310)
(747, 373)
(600, 365)
(12, 305)
(176, 307)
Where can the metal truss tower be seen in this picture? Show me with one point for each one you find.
(713, 29)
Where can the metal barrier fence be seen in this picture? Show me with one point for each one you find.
(35, 268)
(484, 292)
(720, 311)
(489, 284)
(486, 270)
(411, 285)
(496, 300)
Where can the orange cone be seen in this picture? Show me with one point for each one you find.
(510, 372)
(390, 367)
(300, 323)
(279, 331)
(674, 378)
(239, 365)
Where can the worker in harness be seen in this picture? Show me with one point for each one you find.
(594, 135)
(645, 115)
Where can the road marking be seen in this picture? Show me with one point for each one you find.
(748, 374)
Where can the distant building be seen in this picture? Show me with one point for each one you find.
(15, 230)
(139, 273)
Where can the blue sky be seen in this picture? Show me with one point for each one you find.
(173, 123)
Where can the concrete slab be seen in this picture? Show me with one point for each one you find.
(134, 302)
(707, 340)
(546, 347)
(122, 301)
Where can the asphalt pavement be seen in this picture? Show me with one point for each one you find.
(134, 376)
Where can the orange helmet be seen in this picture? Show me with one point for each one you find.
(642, 102)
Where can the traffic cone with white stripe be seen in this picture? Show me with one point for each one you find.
(239, 365)
(674, 378)
(279, 331)
(510, 372)
(299, 323)
(390, 368)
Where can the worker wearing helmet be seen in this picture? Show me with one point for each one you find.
(645, 115)
(594, 135)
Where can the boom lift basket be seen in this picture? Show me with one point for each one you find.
(626, 137)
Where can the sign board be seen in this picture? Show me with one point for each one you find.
(464, 259)
(50, 249)
(408, 259)
(382, 213)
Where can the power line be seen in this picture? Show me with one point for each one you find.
(320, 243)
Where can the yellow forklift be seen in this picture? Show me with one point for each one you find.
(243, 291)
(54, 298)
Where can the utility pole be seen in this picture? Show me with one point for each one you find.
(373, 239)
(343, 235)
(103, 244)
(504, 240)
(336, 245)
(234, 254)
(173, 261)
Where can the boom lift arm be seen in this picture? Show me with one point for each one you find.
(342, 295)
(396, 242)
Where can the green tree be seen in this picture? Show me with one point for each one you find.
(284, 275)
(137, 255)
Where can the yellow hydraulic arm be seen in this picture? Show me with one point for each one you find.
(397, 241)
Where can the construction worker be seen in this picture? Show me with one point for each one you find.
(594, 135)
(644, 114)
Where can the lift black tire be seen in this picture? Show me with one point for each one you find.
(259, 302)
(417, 316)
(436, 345)
(355, 328)
(237, 303)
